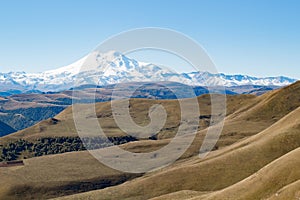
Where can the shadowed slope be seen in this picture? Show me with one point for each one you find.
(5, 129)
(56, 175)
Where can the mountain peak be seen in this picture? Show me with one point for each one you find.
(110, 54)
(112, 67)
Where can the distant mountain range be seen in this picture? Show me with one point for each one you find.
(113, 67)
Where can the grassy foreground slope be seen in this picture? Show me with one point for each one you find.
(278, 180)
(288, 192)
(250, 141)
(55, 175)
(267, 181)
(220, 171)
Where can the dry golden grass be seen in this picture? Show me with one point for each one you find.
(260, 142)
(219, 170)
(278, 180)
(181, 195)
(265, 182)
(139, 112)
(291, 191)
(273, 105)
(55, 175)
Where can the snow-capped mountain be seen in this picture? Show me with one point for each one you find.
(237, 80)
(113, 67)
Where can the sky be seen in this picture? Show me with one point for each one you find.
(254, 37)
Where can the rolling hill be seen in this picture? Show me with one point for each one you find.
(24, 110)
(236, 165)
(256, 156)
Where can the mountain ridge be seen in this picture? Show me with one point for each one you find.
(113, 67)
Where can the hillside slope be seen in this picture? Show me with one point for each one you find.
(278, 180)
(267, 181)
(215, 172)
(5, 129)
(139, 112)
(251, 141)
(56, 175)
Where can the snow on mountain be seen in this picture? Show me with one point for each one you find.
(113, 67)
(236, 80)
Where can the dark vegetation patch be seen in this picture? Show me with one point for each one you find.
(22, 149)
(69, 188)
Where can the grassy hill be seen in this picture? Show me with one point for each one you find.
(222, 169)
(62, 126)
(274, 181)
(56, 175)
(256, 156)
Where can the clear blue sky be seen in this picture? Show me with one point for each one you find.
(255, 37)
